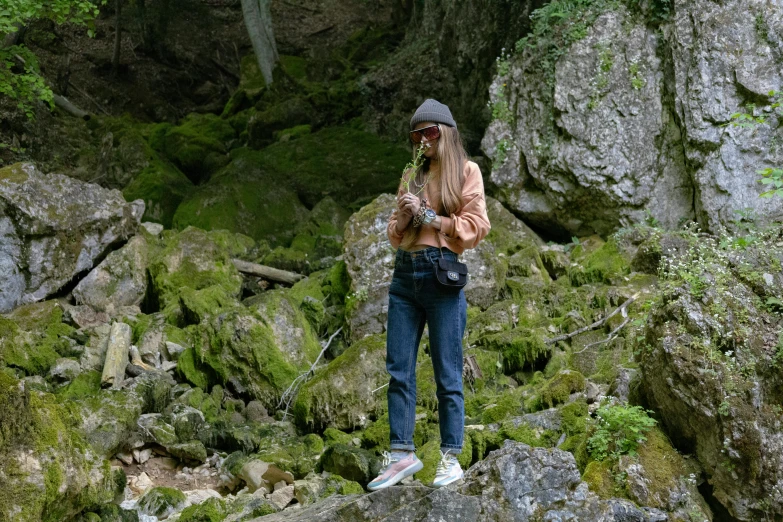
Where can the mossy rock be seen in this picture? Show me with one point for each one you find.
(558, 390)
(161, 501)
(67, 477)
(241, 348)
(211, 510)
(315, 487)
(341, 394)
(264, 124)
(197, 146)
(521, 348)
(192, 275)
(351, 463)
(293, 333)
(347, 164)
(430, 456)
(246, 197)
(333, 436)
(33, 337)
(598, 476)
(605, 264)
(162, 187)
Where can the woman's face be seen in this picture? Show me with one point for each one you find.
(430, 145)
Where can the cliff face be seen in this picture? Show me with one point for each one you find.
(610, 114)
(448, 54)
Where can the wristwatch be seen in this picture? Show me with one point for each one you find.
(429, 216)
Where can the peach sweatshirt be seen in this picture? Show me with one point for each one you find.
(460, 231)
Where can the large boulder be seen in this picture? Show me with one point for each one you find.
(369, 259)
(119, 280)
(52, 228)
(344, 394)
(49, 473)
(593, 130)
(711, 367)
(516, 483)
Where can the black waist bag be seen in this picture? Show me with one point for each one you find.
(450, 274)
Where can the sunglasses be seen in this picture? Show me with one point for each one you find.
(431, 133)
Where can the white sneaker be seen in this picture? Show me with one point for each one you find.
(448, 470)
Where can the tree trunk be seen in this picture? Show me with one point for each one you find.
(115, 60)
(258, 20)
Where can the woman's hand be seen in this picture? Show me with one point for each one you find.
(409, 204)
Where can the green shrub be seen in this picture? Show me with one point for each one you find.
(618, 431)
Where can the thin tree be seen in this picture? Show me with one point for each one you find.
(258, 20)
(115, 59)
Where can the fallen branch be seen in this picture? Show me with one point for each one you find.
(267, 272)
(90, 98)
(288, 396)
(63, 103)
(610, 338)
(595, 325)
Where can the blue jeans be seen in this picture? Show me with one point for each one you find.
(415, 299)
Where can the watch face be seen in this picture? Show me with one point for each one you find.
(429, 215)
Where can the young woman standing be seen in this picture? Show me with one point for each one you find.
(440, 212)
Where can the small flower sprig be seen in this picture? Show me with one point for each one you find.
(413, 166)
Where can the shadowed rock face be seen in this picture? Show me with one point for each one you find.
(634, 119)
(53, 227)
(711, 369)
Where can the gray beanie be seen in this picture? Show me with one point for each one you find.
(434, 111)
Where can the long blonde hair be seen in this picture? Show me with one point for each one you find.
(452, 158)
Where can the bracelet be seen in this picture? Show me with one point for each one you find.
(418, 219)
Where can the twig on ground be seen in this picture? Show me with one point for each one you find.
(595, 325)
(288, 396)
(380, 388)
(610, 338)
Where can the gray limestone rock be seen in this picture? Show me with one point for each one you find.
(119, 280)
(634, 122)
(52, 228)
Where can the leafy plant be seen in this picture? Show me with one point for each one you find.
(774, 177)
(618, 431)
(19, 77)
(412, 167)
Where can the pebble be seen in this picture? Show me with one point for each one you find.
(125, 458)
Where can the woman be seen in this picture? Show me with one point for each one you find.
(440, 212)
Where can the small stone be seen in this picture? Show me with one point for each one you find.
(174, 350)
(153, 228)
(141, 483)
(356, 441)
(142, 456)
(126, 458)
(197, 496)
(256, 412)
(280, 485)
(168, 366)
(282, 497)
(65, 369)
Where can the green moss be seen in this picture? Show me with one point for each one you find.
(376, 435)
(333, 436)
(13, 174)
(34, 337)
(520, 347)
(211, 510)
(86, 384)
(293, 133)
(238, 346)
(558, 389)
(161, 501)
(191, 369)
(192, 264)
(507, 404)
(319, 404)
(604, 265)
(598, 476)
(245, 197)
(316, 165)
(162, 187)
(197, 146)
